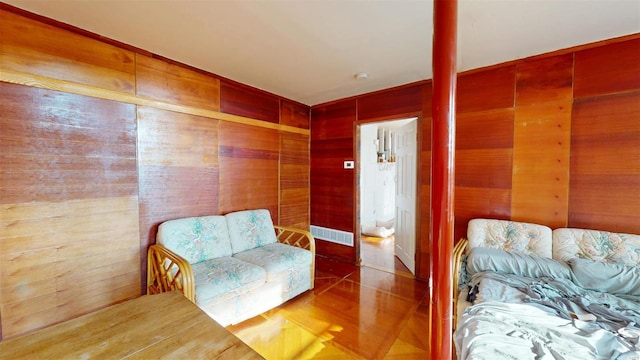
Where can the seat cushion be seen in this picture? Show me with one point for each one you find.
(276, 258)
(223, 278)
(250, 229)
(196, 238)
(511, 236)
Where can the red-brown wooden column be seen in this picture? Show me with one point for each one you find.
(443, 129)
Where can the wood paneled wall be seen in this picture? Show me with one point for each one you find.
(101, 142)
(605, 138)
(553, 139)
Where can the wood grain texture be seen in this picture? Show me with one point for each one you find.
(541, 178)
(248, 169)
(479, 202)
(135, 329)
(347, 305)
(484, 168)
(394, 103)
(540, 191)
(335, 251)
(161, 80)
(294, 114)
(42, 82)
(66, 258)
(544, 80)
(294, 180)
(37, 48)
(423, 224)
(58, 146)
(332, 187)
(244, 101)
(491, 129)
(607, 69)
(605, 163)
(178, 170)
(69, 133)
(485, 90)
(68, 176)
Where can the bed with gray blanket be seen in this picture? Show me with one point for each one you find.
(527, 306)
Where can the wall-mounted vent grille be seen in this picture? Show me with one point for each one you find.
(332, 235)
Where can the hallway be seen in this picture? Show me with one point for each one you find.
(378, 253)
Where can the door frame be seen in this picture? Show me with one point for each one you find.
(356, 182)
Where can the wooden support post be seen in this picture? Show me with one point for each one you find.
(442, 177)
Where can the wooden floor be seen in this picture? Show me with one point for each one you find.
(353, 313)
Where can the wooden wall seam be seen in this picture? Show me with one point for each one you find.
(101, 144)
(48, 83)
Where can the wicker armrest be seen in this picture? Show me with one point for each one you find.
(458, 251)
(168, 271)
(300, 238)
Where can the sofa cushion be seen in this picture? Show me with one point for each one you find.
(604, 246)
(222, 278)
(250, 229)
(511, 236)
(196, 238)
(276, 258)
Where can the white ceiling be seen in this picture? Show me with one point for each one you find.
(309, 51)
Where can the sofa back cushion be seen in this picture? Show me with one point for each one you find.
(511, 236)
(250, 229)
(603, 246)
(196, 238)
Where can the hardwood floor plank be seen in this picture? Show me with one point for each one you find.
(353, 313)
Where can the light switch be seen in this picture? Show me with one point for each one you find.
(349, 164)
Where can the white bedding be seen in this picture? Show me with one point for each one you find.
(517, 317)
(495, 330)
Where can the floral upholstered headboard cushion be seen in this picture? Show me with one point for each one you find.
(511, 236)
(603, 246)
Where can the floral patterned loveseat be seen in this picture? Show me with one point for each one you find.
(233, 267)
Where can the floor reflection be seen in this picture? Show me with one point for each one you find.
(353, 312)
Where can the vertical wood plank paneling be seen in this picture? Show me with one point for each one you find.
(69, 206)
(486, 90)
(69, 181)
(540, 191)
(249, 159)
(332, 187)
(484, 145)
(244, 101)
(607, 69)
(294, 180)
(160, 80)
(491, 129)
(36, 48)
(76, 233)
(484, 162)
(605, 163)
(293, 114)
(59, 146)
(60, 260)
(405, 101)
(178, 169)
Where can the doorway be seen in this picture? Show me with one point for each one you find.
(387, 192)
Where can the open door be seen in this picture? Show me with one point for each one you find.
(406, 173)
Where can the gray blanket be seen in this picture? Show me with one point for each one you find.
(565, 298)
